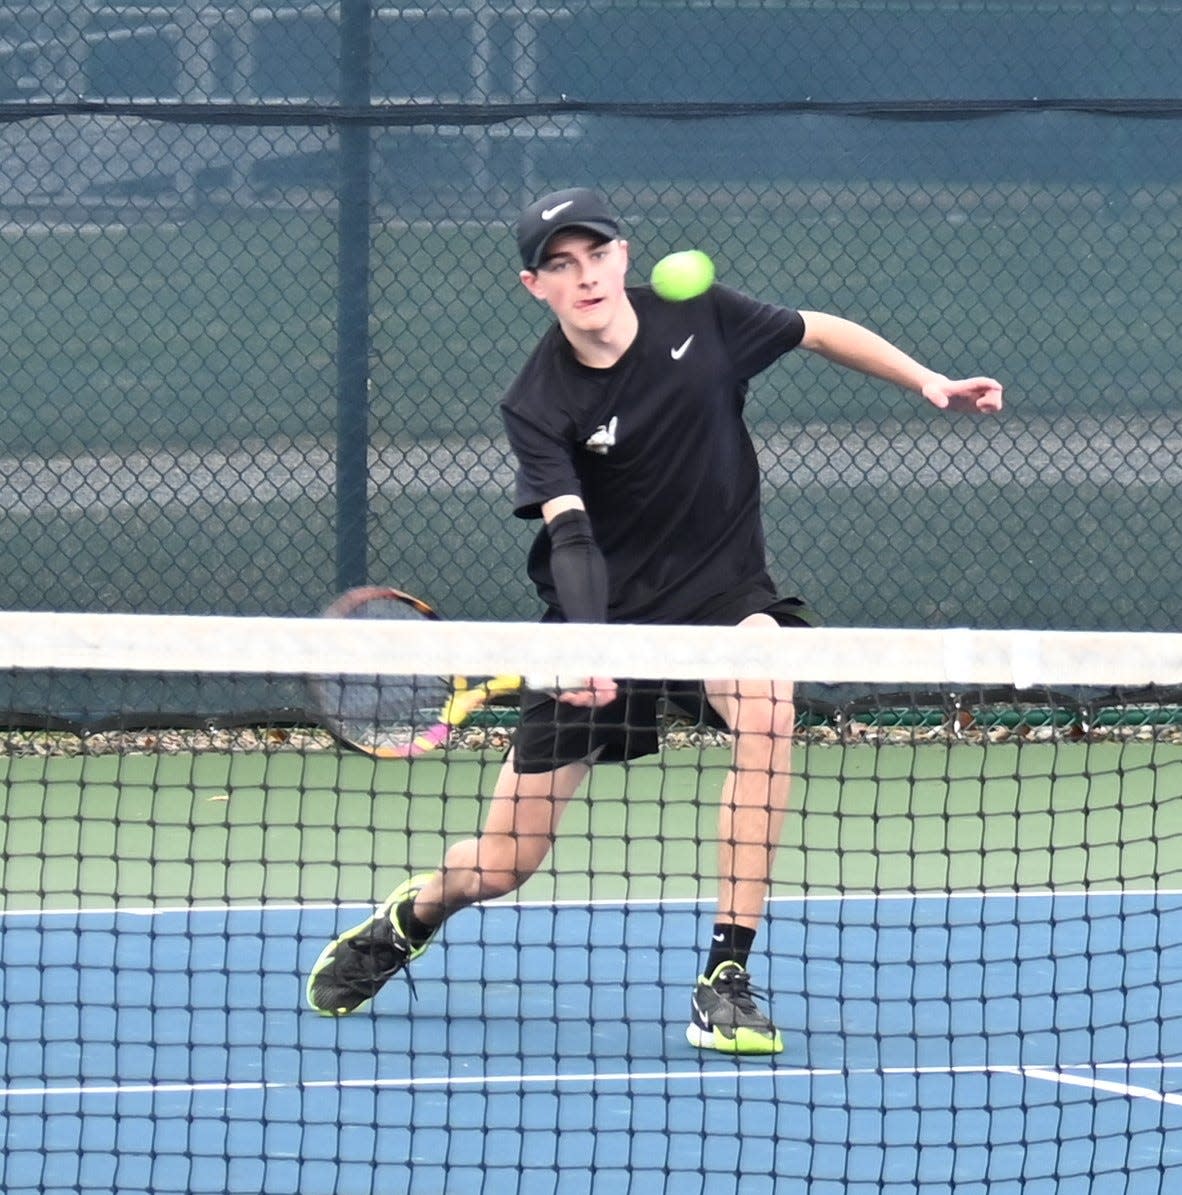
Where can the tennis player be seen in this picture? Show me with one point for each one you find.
(627, 425)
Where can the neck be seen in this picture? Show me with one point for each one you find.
(602, 349)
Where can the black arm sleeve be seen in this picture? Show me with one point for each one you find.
(578, 568)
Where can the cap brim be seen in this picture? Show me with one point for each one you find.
(601, 228)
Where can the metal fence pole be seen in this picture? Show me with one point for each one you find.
(353, 247)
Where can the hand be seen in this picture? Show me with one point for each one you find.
(973, 395)
(595, 691)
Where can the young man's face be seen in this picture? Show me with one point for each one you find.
(582, 280)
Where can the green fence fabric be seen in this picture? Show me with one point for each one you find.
(258, 297)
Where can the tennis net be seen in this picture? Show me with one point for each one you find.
(972, 946)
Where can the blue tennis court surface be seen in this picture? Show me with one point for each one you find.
(982, 1045)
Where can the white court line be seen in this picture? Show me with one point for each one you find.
(1069, 1080)
(736, 1074)
(1091, 894)
(1064, 1076)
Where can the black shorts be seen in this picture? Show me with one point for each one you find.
(552, 733)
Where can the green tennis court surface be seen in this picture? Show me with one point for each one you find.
(127, 830)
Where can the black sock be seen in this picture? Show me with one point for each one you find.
(729, 943)
(416, 931)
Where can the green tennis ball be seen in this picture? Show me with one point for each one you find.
(682, 276)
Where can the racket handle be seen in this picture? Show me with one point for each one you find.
(464, 701)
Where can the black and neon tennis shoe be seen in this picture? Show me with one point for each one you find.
(725, 1017)
(353, 968)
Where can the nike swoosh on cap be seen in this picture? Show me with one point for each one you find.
(551, 212)
(681, 349)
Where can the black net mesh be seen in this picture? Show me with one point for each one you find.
(969, 954)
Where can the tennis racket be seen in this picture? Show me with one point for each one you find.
(397, 717)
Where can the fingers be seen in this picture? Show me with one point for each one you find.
(986, 391)
(967, 394)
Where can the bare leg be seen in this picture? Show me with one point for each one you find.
(761, 716)
(724, 1013)
(517, 835)
(518, 831)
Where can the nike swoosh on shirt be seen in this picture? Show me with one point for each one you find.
(681, 349)
(551, 212)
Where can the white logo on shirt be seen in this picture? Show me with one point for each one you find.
(603, 437)
(551, 212)
(681, 349)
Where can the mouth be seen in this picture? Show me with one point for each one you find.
(588, 304)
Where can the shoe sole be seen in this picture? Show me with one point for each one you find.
(745, 1041)
(409, 887)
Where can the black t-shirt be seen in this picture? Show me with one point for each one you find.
(657, 448)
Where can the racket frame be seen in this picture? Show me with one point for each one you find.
(465, 698)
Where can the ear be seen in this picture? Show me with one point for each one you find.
(626, 261)
(531, 282)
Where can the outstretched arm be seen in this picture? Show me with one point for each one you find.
(846, 343)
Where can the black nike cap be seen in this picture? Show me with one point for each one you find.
(576, 207)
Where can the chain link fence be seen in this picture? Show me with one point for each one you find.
(259, 298)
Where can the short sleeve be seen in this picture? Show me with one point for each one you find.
(756, 334)
(545, 466)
